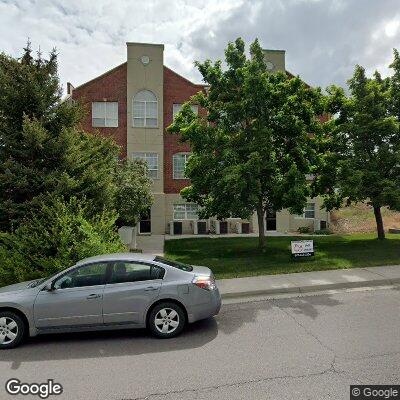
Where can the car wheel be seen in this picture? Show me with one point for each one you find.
(166, 320)
(12, 330)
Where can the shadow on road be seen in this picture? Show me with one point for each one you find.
(107, 344)
(308, 306)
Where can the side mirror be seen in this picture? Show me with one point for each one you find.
(49, 287)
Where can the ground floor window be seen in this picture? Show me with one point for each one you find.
(186, 211)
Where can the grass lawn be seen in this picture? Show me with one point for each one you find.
(238, 257)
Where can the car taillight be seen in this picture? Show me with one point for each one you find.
(205, 282)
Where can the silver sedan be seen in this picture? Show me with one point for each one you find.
(113, 291)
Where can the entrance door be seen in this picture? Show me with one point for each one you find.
(145, 223)
(270, 220)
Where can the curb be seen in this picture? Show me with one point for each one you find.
(313, 288)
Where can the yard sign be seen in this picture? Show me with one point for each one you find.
(302, 248)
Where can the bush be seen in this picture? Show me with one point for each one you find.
(304, 229)
(323, 232)
(54, 239)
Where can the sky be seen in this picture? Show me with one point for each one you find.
(323, 39)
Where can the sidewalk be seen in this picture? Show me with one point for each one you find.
(309, 281)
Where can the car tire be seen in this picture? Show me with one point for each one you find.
(166, 320)
(12, 330)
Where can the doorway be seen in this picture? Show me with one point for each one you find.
(145, 222)
(270, 220)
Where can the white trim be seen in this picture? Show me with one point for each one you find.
(173, 164)
(144, 158)
(144, 117)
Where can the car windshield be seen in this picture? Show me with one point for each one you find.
(175, 264)
(40, 281)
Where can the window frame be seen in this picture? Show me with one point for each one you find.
(185, 211)
(194, 107)
(149, 264)
(186, 155)
(144, 117)
(144, 159)
(305, 210)
(105, 114)
(78, 267)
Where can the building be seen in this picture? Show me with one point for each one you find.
(134, 103)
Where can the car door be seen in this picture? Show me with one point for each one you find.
(133, 286)
(76, 299)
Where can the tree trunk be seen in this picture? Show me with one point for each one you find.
(261, 227)
(379, 223)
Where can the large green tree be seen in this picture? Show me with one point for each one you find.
(360, 153)
(44, 153)
(252, 148)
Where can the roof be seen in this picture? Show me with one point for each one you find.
(119, 257)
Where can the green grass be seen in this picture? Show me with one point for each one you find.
(238, 257)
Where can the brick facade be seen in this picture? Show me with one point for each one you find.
(110, 86)
(177, 90)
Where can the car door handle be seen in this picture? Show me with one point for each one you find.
(93, 296)
(150, 288)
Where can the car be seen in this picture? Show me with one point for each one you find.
(112, 291)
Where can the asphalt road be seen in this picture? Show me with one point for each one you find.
(293, 348)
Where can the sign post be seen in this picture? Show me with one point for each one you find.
(302, 248)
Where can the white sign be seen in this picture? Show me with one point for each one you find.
(302, 248)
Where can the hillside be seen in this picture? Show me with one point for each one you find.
(360, 218)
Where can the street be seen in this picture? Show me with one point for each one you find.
(311, 347)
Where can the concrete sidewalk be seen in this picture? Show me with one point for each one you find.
(309, 281)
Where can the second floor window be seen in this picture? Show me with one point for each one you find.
(152, 163)
(179, 162)
(105, 114)
(177, 107)
(145, 110)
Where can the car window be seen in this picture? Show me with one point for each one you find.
(88, 275)
(175, 264)
(128, 271)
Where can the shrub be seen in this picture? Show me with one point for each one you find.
(57, 237)
(304, 229)
(323, 232)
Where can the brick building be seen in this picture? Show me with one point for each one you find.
(134, 103)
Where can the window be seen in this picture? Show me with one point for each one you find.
(175, 264)
(105, 114)
(152, 162)
(309, 211)
(179, 162)
(145, 109)
(186, 211)
(88, 275)
(128, 271)
(177, 107)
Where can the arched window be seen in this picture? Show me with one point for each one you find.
(145, 109)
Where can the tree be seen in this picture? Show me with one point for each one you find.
(55, 237)
(133, 192)
(42, 152)
(360, 153)
(252, 149)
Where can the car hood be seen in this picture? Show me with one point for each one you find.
(16, 287)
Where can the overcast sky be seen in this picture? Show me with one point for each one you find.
(323, 39)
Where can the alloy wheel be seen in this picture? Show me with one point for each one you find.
(8, 330)
(166, 320)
